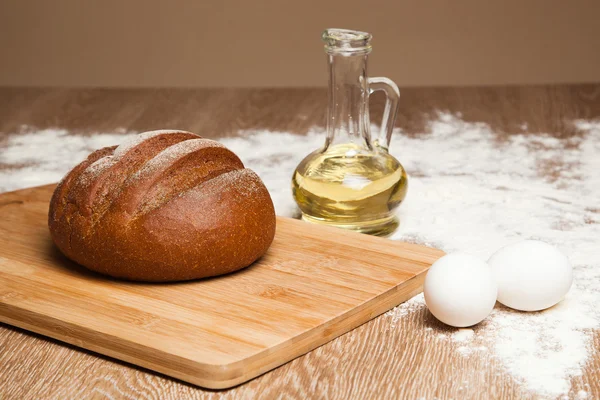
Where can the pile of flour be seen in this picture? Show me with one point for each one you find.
(468, 191)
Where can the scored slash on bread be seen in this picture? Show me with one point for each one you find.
(181, 166)
(163, 206)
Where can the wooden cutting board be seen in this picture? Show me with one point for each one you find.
(314, 284)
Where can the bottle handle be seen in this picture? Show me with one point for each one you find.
(391, 108)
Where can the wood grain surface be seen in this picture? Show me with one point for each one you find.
(383, 358)
(313, 284)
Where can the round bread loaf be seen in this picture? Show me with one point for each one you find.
(163, 206)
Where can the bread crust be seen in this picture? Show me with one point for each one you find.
(164, 206)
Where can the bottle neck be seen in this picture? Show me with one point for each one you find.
(348, 114)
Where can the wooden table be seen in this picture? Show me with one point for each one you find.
(373, 361)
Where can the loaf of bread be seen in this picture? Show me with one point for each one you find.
(163, 206)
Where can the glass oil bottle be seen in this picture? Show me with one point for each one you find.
(352, 182)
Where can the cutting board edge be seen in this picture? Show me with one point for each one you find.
(356, 317)
(216, 376)
(100, 347)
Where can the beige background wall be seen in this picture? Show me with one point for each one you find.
(276, 43)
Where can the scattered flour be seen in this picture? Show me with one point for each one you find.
(480, 209)
(464, 350)
(41, 157)
(468, 190)
(463, 335)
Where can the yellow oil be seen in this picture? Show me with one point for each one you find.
(350, 187)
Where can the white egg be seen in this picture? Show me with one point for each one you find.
(531, 275)
(460, 290)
